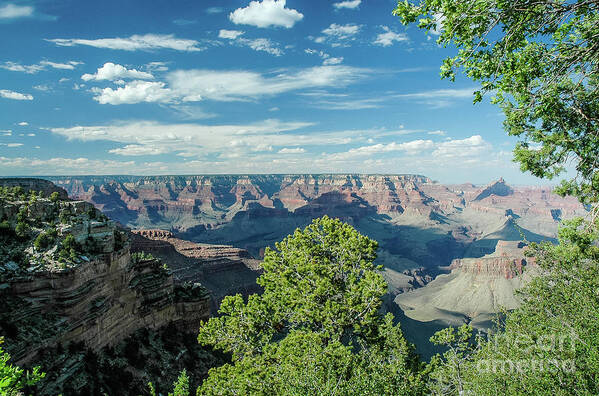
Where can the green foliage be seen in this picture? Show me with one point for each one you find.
(22, 229)
(54, 197)
(447, 372)
(549, 345)
(539, 60)
(181, 386)
(45, 239)
(138, 257)
(12, 378)
(317, 327)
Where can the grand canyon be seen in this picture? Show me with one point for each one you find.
(425, 230)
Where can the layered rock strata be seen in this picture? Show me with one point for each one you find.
(223, 270)
(475, 289)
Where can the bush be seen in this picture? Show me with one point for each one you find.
(22, 229)
(54, 197)
(43, 240)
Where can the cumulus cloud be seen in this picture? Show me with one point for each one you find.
(351, 4)
(111, 71)
(387, 38)
(11, 144)
(266, 13)
(11, 11)
(147, 42)
(23, 123)
(134, 92)
(5, 93)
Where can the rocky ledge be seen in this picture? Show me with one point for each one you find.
(223, 270)
(67, 276)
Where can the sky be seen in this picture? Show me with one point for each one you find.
(211, 87)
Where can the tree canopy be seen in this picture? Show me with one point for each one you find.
(540, 61)
(317, 327)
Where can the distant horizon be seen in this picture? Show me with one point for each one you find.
(49, 177)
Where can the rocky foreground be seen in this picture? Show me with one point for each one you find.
(69, 282)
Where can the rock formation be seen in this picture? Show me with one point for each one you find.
(67, 276)
(419, 223)
(223, 270)
(475, 289)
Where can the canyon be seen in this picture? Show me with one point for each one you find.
(421, 225)
(443, 248)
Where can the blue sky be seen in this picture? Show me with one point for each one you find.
(190, 87)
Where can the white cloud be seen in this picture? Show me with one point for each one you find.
(469, 147)
(42, 87)
(387, 38)
(439, 20)
(136, 42)
(259, 44)
(137, 149)
(64, 66)
(351, 4)
(229, 34)
(342, 31)
(439, 98)
(214, 10)
(23, 123)
(10, 11)
(32, 69)
(184, 22)
(111, 71)
(287, 150)
(134, 92)
(4, 93)
(29, 69)
(327, 59)
(11, 144)
(266, 13)
(411, 148)
(338, 35)
(236, 85)
(332, 61)
(193, 140)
